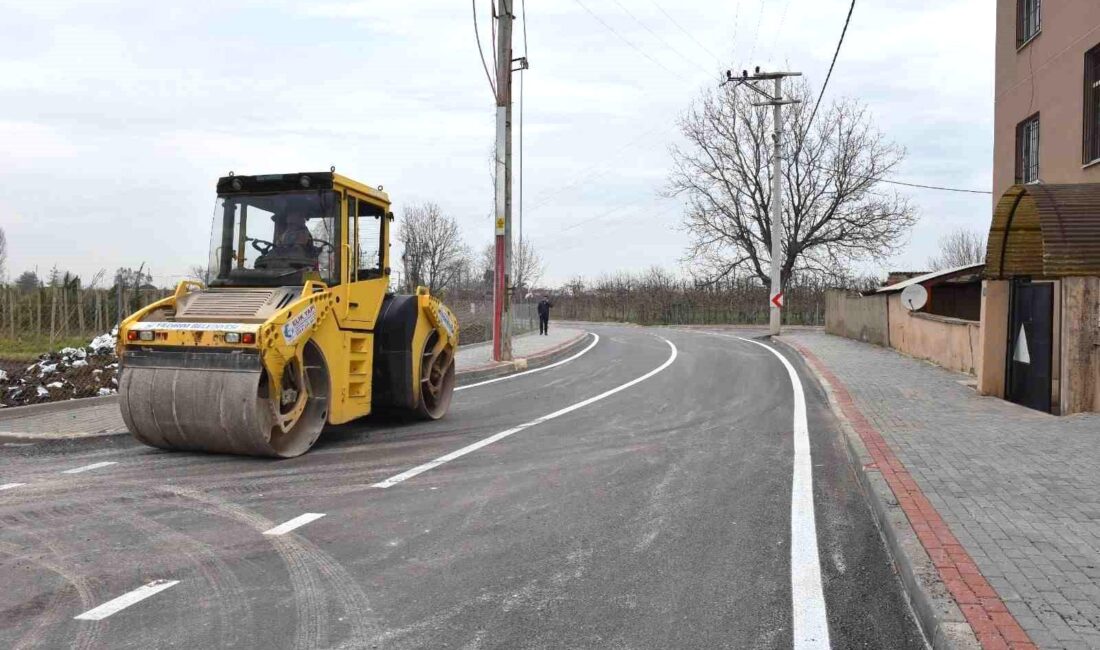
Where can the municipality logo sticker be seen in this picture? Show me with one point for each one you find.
(297, 326)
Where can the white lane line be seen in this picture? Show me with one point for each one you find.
(8, 486)
(811, 625)
(88, 468)
(125, 600)
(420, 469)
(595, 340)
(297, 522)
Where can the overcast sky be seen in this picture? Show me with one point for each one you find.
(117, 118)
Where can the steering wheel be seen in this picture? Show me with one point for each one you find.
(320, 245)
(262, 246)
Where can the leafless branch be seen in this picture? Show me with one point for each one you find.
(834, 212)
(435, 255)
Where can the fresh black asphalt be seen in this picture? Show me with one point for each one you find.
(658, 517)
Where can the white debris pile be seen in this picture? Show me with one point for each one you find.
(68, 373)
(104, 343)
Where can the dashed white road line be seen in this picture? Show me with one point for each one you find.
(88, 468)
(420, 469)
(8, 486)
(595, 340)
(811, 625)
(297, 522)
(125, 600)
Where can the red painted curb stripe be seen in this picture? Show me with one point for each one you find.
(983, 608)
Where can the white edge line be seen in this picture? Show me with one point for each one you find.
(9, 486)
(297, 522)
(85, 468)
(125, 600)
(810, 622)
(458, 453)
(596, 339)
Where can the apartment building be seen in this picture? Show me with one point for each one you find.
(1040, 313)
(1047, 93)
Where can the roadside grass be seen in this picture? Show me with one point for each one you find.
(29, 348)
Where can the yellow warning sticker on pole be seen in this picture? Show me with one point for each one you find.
(500, 225)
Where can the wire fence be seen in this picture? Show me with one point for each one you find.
(43, 319)
(475, 318)
(55, 341)
(743, 303)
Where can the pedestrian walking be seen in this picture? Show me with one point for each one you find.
(544, 315)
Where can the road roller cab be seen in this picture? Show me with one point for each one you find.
(297, 329)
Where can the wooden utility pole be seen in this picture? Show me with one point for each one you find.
(502, 300)
(776, 101)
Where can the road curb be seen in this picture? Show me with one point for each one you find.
(544, 358)
(461, 378)
(942, 622)
(31, 410)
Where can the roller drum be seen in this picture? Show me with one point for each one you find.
(218, 411)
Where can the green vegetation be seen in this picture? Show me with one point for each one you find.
(28, 348)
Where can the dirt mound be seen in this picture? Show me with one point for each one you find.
(70, 373)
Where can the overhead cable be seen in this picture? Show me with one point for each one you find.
(831, 65)
(880, 179)
(625, 40)
(660, 38)
(686, 32)
(477, 36)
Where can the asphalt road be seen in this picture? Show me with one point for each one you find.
(658, 516)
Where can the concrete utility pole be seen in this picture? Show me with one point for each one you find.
(775, 293)
(502, 303)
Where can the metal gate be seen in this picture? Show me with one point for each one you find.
(1030, 344)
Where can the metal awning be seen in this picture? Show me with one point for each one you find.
(961, 273)
(1041, 230)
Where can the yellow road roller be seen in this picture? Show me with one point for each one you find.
(296, 329)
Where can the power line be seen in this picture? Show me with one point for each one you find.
(932, 187)
(586, 175)
(686, 32)
(779, 29)
(480, 51)
(493, 32)
(880, 179)
(556, 240)
(523, 10)
(736, 24)
(659, 38)
(624, 39)
(830, 73)
(522, 163)
(756, 34)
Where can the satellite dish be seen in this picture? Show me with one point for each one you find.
(914, 297)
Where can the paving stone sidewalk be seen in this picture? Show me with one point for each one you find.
(525, 345)
(1019, 489)
(101, 416)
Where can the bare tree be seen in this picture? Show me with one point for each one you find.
(97, 278)
(960, 247)
(201, 272)
(3, 255)
(435, 256)
(527, 266)
(834, 210)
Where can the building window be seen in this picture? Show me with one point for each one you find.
(1027, 20)
(1027, 150)
(1092, 105)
